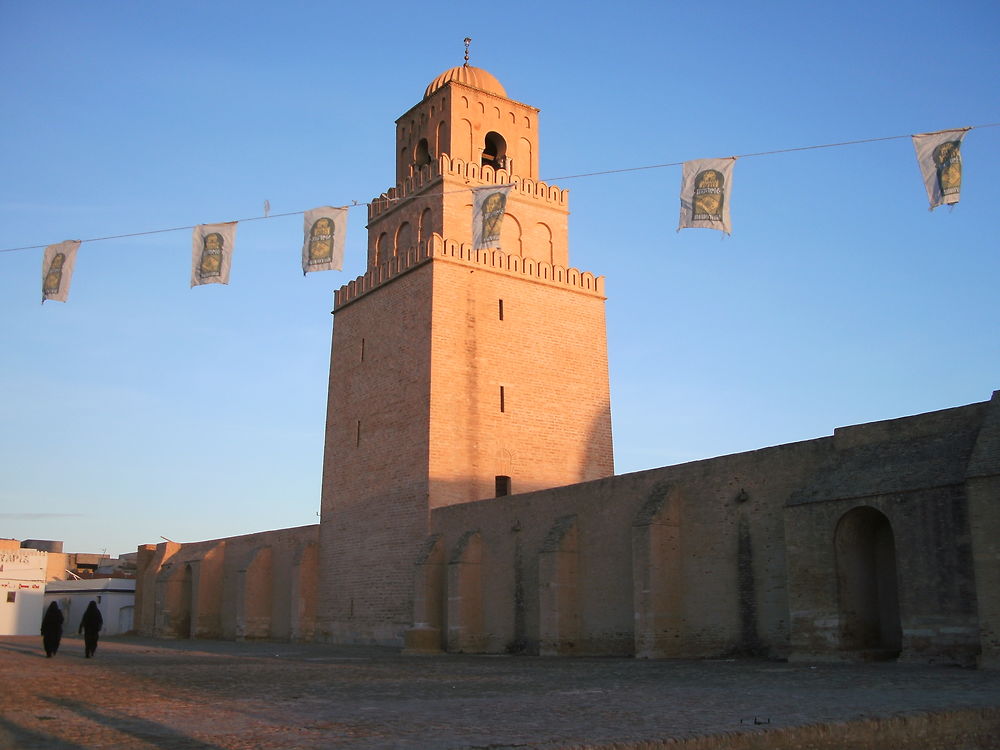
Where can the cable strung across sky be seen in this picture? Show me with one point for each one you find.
(356, 204)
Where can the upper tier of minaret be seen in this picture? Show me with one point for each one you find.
(466, 114)
(466, 133)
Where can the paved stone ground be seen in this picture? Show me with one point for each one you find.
(210, 695)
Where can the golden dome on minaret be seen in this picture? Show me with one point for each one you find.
(477, 78)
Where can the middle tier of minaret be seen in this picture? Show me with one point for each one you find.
(437, 199)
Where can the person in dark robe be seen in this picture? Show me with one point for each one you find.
(52, 624)
(90, 625)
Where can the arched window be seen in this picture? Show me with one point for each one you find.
(422, 156)
(495, 151)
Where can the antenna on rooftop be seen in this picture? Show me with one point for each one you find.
(468, 41)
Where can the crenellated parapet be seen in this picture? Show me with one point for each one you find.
(456, 252)
(487, 175)
(380, 274)
(475, 175)
(498, 260)
(421, 178)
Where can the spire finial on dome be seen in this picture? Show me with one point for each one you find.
(468, 41)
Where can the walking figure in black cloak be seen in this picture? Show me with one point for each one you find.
(52, 623)
(91, 624)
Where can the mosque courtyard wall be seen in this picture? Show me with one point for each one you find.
(773, 552)
(261, 586)
(857, 546)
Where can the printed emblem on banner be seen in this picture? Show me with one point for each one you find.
(709, 196)
(321, 241)
(53, 277)
(493, 210)
(211, 256)
(948, 164)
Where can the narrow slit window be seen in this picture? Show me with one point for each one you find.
(502, 400)
(501, 309)
(362, 349)
(503, 486)
(357, 436)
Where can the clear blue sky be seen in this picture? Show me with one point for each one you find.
(143, 408)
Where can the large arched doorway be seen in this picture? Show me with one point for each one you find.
(867, 588)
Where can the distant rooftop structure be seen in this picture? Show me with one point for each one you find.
(42, 545)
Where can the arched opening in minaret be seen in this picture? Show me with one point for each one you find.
(494, 151)
(867, 586)
(422, 156)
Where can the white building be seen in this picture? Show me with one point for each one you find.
(115, 599)
(22, 590)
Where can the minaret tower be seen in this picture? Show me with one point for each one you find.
(456, 375)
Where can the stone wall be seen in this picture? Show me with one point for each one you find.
(857, 546)
(679, 561)
(254, 586)
(877, 542)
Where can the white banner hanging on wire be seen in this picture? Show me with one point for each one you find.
(57, 270)
(706, 189)
(940, 157)
(212, 253)
(325, 230)
(488, 207)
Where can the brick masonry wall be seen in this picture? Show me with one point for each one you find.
(514, 531)
(936, 589)
(375, 466)
(201, 589)
(549, 355)
(753, 560)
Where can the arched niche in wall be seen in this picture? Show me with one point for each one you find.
(440, 136)
(404, 239)
(426, 635)
(254, 596)
(540, 242)
(463, 140)
(524, 159)
(511, 235)
(867, 584)
(304, 583)
(424, 225)
(465, 595)
(381, 248)
(559, 618)
(185, 603)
